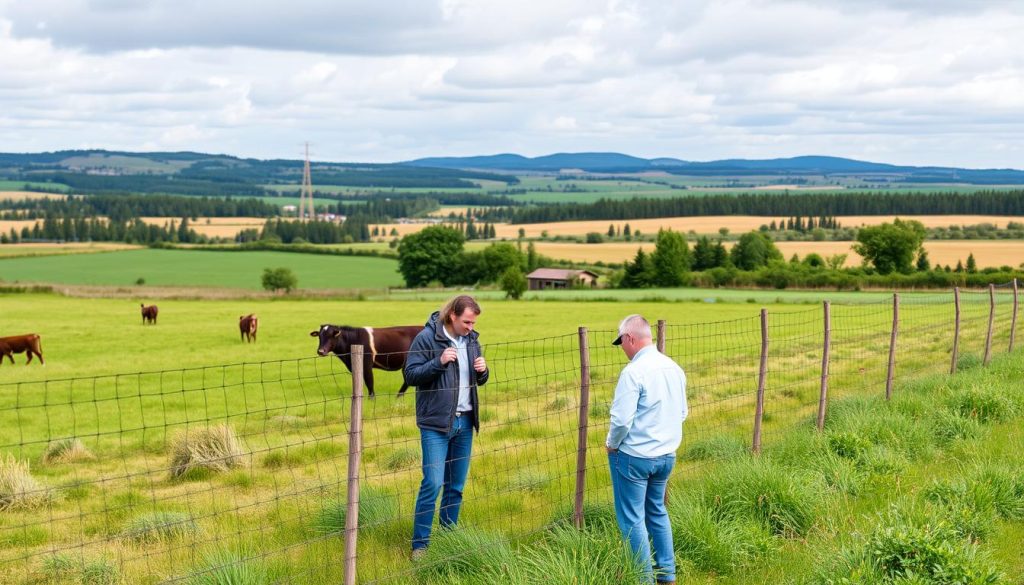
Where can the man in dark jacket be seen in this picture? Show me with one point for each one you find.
(445, 365)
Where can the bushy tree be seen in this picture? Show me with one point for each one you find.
(671, 259)
(431, 254)
(275, 279)
(498, 258)
(639, 273)
(972, 264)
(513, 282)
(922, 260)
(754, 250)
(891, 247)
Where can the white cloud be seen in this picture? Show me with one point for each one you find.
(905, 81)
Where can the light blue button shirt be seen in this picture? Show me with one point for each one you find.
(649, 407)
(460, 345)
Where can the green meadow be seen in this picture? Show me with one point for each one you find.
(201, 269)
(813, 509)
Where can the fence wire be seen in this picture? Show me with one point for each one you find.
(175, 475)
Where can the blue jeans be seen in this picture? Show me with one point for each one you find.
(445, 465)
(638, 484)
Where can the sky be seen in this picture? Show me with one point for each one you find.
(916, 82)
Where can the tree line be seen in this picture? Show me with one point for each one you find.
(123, 207)
(774, 205)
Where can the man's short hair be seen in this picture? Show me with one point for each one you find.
(457, 306)
(634, 325)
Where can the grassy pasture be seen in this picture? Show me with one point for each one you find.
(40, 249)
(201, 268)
(289, 411)
(6, 185)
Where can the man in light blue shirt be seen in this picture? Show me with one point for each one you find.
(646, 428)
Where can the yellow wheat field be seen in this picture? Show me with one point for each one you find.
(986, 252)
(25, 195)
(703, 225)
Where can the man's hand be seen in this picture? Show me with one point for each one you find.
(449, 355)
(480, 365)
(609, 450)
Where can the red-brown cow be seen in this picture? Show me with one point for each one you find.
(149, 314)
(385, 348)
(28, 343)
(248, 324)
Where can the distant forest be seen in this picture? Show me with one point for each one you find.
(774, 205)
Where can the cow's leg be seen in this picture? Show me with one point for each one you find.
(368, 374)
(29, 353)
(402, 389)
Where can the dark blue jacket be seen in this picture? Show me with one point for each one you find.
(437, 386)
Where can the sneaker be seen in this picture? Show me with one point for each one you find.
(418, 553)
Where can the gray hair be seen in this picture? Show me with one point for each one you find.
(636, 326)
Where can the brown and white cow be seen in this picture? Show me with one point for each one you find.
(28, 343)
(247, 325)
(384, 348)
(149, 313)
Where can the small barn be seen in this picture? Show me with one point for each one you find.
(544, 278)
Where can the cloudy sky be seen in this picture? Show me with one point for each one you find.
(926, 82)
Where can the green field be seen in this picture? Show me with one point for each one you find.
(6, 185)
(289, 411)
(201, 269)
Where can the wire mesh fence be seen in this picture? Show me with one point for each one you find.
(177, 476)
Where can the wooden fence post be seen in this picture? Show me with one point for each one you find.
(1013, 320)
(581, 449)
(661, 335)
(991, 322)
(892, 345)
(761, 378)
(956, 331)
(355, 449)
(825, 355)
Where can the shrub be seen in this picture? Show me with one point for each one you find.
(159, 526)
(212, 449)
(18, 489)
(67, 451)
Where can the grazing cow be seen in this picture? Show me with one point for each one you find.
(149, 314)
(21, 343)
(385, 348)
(248, 324)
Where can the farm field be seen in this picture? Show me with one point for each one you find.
(223, 227)
(987, 252)
(201, 268)
(28, 195)
(6, 185)
(42, 249)
(275, 505)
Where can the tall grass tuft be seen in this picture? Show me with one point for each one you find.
(68, 450)
(718, 448)
(376, 507)
(232, 568)
(465, 551)
(213, 449)
(159, 526)
(982, 404)
(63, 568)
(528, 480)
(18, 489)
(400, 459)
(715, 545)
(596, 517)
(567, 555)
(783, 500)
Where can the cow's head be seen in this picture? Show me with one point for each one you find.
(332, 339)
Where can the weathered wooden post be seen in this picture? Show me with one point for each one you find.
(825, 355)
(581, 449)
(892, 345)
(661, 335)
(991, 322)
(761, 378)
(956, 331)
(355, 449)
(1013, 320)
